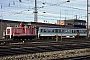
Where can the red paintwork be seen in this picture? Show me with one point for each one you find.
(21, 31)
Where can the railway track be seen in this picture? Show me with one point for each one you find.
(19, 47)
(48, 40)
(85, 57)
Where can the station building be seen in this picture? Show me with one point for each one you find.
(72, 23)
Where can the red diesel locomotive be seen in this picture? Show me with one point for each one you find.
(20, 32)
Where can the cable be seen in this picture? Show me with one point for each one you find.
(17, 5)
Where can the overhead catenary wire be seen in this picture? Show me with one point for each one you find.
(64, 6)
(43, 3)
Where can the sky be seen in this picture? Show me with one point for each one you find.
(48, 10)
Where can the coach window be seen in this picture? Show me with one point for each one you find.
(78, 31)
(59, 30)
(81, 31)
(63, 31)
(72, 31)
(66, 31)
(48, 30)
(52, 31)
(56, 30)
(85, 31)
(69, 31)
(44, 30)
(41, 30)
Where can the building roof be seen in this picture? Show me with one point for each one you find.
(39, 24)
(12, 21)
(78, 20)
(44, 24)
